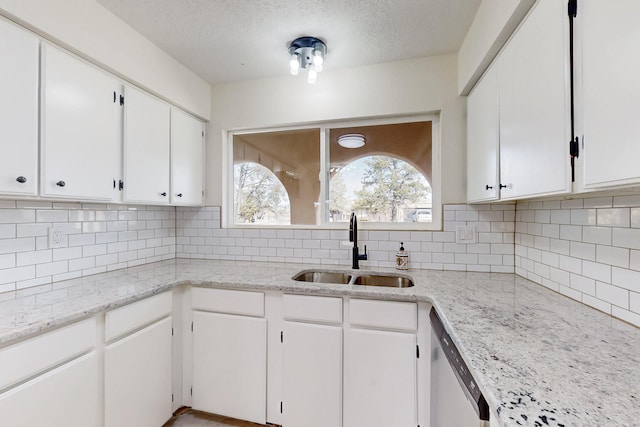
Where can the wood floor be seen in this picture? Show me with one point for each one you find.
(191, 418)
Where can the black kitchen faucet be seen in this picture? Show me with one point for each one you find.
(356, 256)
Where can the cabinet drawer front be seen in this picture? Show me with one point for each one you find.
(123, 320)
(246, 303)
(312, 308)
(384, 314)
(22, 360)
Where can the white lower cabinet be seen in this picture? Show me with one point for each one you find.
(229, 365)
(381, 365)
(312, 375)
(64, 397)
(138, 378)
(381, 379)
(230, 353)
(53, 380)
(138, 366)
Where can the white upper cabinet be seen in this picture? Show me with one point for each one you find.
(146, 148)
(610, 58)
(187, 159)
(483, 140)
(18, 111)
(80, 128)
(534, 105)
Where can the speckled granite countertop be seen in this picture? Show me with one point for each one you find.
(540, 358)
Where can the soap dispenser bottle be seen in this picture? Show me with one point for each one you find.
(402, 258)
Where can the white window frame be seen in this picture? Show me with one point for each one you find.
(325, 127)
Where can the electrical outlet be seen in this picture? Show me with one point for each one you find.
(466, 234)
(56, 237)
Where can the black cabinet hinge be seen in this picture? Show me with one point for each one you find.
(573, 144)
(574, 148)
(121, 99)
(573, 8)
(417, 352)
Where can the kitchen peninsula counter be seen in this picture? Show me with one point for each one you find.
(540, 358)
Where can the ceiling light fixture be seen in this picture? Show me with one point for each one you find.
(351, 140)
(307, 53)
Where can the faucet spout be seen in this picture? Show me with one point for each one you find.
(356, 256)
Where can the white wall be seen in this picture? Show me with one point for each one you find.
(397, 88)
(90, 30)
(494, 22)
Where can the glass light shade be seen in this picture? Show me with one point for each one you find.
(294, 64)
(351, 140)
(318, 59)
(312, 76)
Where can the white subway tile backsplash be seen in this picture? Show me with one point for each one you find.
(598, 235)
(612, 294)
(627, 279)
(611, 255)
(561, 216)
(597, 271)
(626, 315)
(618, 217)
(583, 250)
(626, 201)
(626, 238)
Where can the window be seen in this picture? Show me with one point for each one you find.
(303, 177)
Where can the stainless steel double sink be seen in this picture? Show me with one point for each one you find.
(351, 278)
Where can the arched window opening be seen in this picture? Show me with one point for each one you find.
(380, 189)
(259, 196)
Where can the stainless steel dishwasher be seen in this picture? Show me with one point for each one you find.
(456, 400)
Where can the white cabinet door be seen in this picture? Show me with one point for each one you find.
(483, 140)
(312, 375)
(80, 128)
(230, 365)
(138, 378)
(187, 159)
(18, 111)
(64, 397)
(533, 80)
(146, 148)
(380, 375)
(611, 94)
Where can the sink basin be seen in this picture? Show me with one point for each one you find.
(390, 280)
(343, 278)
(323, 277)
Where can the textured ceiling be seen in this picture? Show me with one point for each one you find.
(233, 40)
